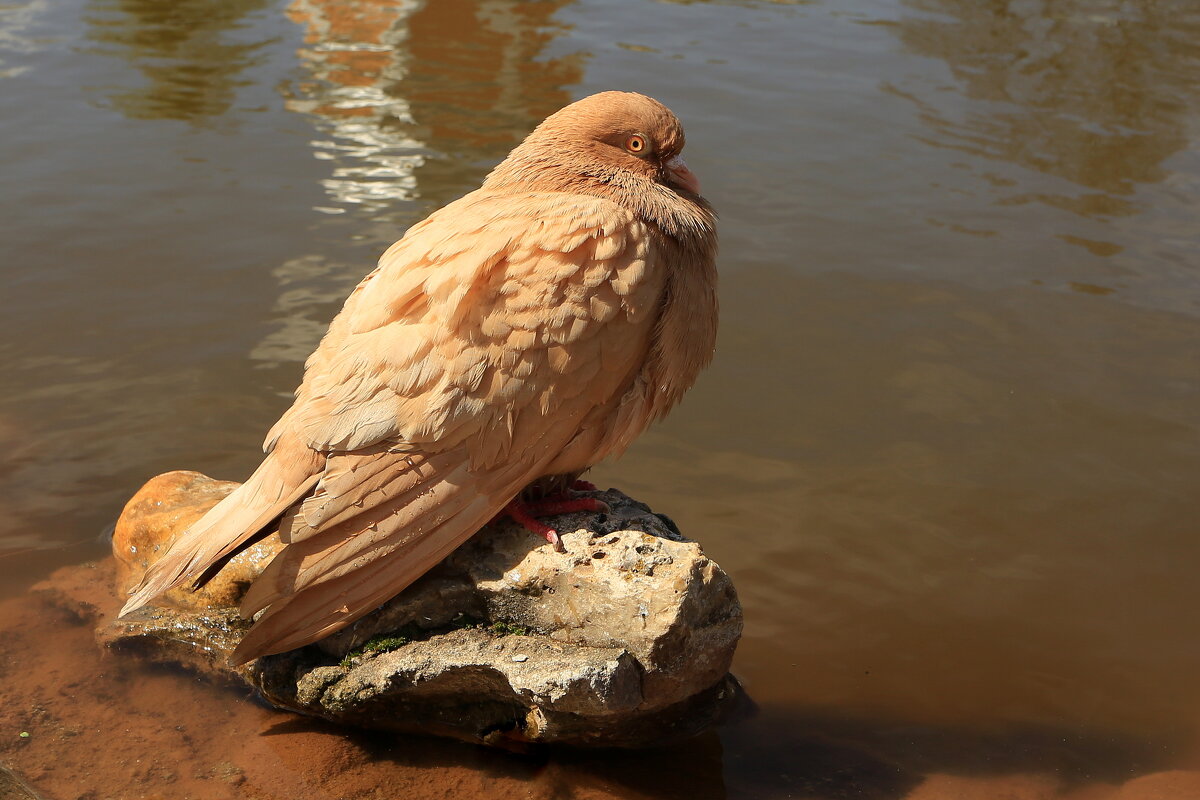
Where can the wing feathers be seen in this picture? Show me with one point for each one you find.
(353, 482)
(446, 294)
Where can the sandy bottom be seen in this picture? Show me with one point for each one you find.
(102, 728)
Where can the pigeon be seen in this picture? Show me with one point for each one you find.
(504, 345)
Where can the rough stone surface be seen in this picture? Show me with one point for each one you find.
(166, 505)
(624, 640)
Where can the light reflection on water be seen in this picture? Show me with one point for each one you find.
(949, 446)
(356, 54)
(1099, 94)
(415, 103)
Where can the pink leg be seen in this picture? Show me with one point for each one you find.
(525, 513)
(520, 514)
(562, 504)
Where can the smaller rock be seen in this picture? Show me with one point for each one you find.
(167, 505)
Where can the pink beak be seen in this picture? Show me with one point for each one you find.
(681, 175)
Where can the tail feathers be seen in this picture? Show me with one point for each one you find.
(282, 479)
(343, 572)
(294, 620)
(353, 542)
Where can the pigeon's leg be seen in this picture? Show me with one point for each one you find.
(518, 511)
(526, 512)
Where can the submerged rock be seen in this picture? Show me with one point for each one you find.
(13, 788)
(624, 640)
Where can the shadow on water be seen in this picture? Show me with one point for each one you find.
(183, 51)
(691, 769)
(777, 752)
(826, 755)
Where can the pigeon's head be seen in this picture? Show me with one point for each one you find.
(628, 131)
(617, 138)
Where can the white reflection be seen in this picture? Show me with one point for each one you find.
(356, 52)
(15, 34)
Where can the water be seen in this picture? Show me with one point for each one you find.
(949, 447)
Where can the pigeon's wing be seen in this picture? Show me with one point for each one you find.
(490, 338)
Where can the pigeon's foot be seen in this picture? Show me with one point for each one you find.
(526, 512)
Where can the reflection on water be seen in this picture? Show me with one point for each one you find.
(390, 78)
(183, 49)
(17, 22)
(356, 53)
(1099, 94)
(479, 81)
(414, 102)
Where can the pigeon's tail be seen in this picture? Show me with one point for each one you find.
(386, 520)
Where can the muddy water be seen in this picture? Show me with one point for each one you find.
(949, 448)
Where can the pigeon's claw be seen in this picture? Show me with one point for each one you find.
(525, 513)
(519, 512)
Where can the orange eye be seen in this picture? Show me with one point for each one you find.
(636, 144)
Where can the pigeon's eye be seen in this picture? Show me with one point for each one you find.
(636, 144)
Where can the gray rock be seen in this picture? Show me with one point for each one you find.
(624, 640)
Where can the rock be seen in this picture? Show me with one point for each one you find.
(624, 640)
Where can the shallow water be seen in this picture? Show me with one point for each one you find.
(949, 447)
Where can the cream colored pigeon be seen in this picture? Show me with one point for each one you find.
(507, 343)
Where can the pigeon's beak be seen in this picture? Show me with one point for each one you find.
(679, 174)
